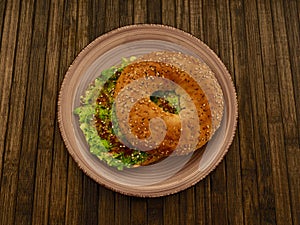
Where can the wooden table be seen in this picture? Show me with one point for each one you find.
(258, 182)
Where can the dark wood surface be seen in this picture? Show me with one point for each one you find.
(258, 182)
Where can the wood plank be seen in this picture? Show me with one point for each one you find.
(8, 157)
(196, 19)
(210, 36)
(82, 34)
(187, 213)
(288, 101)
(261, 142)
(2, 16)
(225, 50)
(106, 206)
(293, 32)
(155, 211)
(245, 128)
(298, 7)
(182, 15)
(168, 13)
(111, 15)
(234, 184)
(97, 18)
(278, 157)
(208, 214)
(74, 204)
(154, 11)
(218, 195)
(7, 56)
(138, 213)
(139, 11)
(24, 201)
(292, 18)
(90, 201)
(126, 12)
(171, 210)
(48, 113)
(122, 209)
(17, 105)
(58, 188)
(200, 203)
(42, 188)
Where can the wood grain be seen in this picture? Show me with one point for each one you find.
(154, 11)
(106, 206)
(265, 185)
(283, 214)
(187, 206)
(139, 11)
(126, 12)
(182, 15)
(201, 200)
(111, 15)
(155, 211)
(97, 18)
(196, 20)
(138, 211)
(8, 46)
(2, 15)
(293, 142)
(27, 166)
(11, 126)
(258, 181)
(122, 209)
(47, 115)
(242, 79)
(171, 210)
(288, 106)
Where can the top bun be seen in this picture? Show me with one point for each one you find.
(201, 73)
(191, 75)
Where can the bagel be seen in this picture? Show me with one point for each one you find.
(144, 110)
(201, 73)
(137, 125)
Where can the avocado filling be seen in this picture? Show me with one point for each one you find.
(91, 113)
(167, 100)
(103, 122)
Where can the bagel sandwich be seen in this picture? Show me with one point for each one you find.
(112, 124)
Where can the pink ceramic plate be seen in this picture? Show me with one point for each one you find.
(160, 179)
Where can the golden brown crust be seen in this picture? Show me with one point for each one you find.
(145, 110)
(201, 73)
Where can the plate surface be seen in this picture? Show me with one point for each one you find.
(175, 173)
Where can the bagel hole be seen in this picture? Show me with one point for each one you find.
(168, 100)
